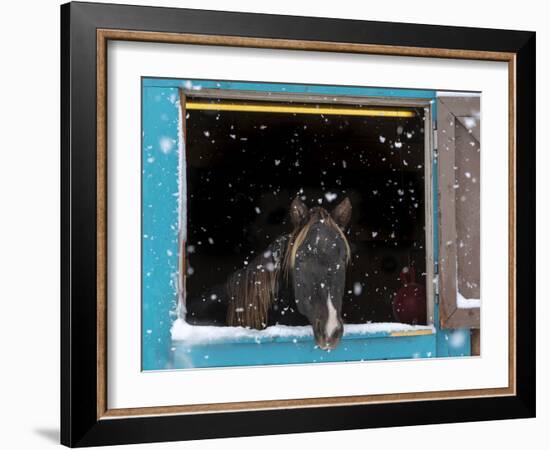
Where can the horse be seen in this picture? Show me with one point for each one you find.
(298, 279)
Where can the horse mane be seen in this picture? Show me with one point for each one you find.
(253, 289)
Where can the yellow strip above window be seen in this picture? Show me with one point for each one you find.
(295, 109)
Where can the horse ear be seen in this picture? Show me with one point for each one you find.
(342, 213)
(298, 212)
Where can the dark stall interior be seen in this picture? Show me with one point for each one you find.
(244, 169)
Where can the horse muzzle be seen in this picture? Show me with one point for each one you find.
(327, 341)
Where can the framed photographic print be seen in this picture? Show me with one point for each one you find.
(277, 224)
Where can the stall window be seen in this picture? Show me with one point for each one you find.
(247, 159)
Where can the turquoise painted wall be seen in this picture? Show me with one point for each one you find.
(160, 143)
(300, 351)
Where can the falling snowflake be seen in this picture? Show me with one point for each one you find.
(470, 122)
(166, 144)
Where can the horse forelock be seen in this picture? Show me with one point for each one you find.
(299, 234)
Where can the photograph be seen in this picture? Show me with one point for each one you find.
(291, 224)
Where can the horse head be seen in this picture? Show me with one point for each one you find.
(316, 261)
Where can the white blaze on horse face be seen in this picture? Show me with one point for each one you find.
(332, 321)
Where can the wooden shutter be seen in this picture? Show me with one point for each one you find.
(458, 145)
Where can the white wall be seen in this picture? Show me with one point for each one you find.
(29, 222)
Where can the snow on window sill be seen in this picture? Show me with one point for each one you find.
(194, 334)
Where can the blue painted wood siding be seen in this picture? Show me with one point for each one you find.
(159, 226)
(300, 351)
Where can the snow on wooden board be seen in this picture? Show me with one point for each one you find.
(182, 331)
(467, 303)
